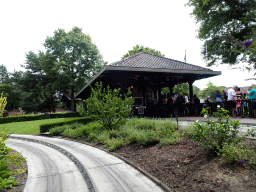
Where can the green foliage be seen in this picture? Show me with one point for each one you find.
(7, 158)
(180, 89)
(226, 25)
(142, 131)
(3, 102)
(108, 106)
(38, 82)
(214, 135)
(47, 126)
(37, 117)
(137, 49)
(238, 152)
(174, 139)
(77, 59)
(8, 183)
(211, 90)
(4, 75)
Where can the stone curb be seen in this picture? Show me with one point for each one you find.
(152, 178)
(90, 185)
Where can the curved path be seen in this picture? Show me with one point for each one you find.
(107, 173)
(48, 169)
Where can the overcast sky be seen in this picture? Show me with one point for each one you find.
(115, 26)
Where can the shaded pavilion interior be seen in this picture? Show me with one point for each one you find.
(146, 74)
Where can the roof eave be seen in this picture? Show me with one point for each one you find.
(162, 70)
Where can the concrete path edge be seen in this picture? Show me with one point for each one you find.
(152, 178)
(81, 168)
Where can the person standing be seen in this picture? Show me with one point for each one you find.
(219, 99)
(231, 99)
(238, 102)
(196, 102)
(252, 100)
(175, 105)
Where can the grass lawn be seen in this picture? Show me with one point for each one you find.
(28, 127)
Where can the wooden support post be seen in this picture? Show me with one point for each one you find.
(191, 89)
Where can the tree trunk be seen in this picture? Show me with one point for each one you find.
(72, 99)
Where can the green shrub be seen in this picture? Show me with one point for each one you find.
(108, 106)
(113, 144)
(145, 124)
(47, 126)
(235, 152)
(74, 133)
(173, 139)
(7, 158)
(93, 136)
(57, 131)
(147, 137)
(37, 117)
(213, 135)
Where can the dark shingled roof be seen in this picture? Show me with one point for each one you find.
(147, 60)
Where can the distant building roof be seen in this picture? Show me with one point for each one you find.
(147, 60)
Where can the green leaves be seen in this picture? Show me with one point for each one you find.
(137, 49)
(108, 106)
(224, 25)
(6, 180)
(214, 135)
(77, 59)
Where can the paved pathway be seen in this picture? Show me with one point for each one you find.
(106, 173)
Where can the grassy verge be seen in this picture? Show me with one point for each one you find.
(136, 130)
(28, 127)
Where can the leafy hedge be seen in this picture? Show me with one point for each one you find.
(47, 126)
(37, 117)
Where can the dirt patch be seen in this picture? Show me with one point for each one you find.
(186, 167)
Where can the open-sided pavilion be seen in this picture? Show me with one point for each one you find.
(146, 74)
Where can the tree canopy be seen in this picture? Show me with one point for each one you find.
(211, 90)
(228, 28)
(77, 59)
(138, 48)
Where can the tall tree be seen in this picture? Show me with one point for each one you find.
(77, 59)
(4, 75)
(228, 28)
(39, 82)
(138, 48)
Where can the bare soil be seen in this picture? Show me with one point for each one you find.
(184, 167)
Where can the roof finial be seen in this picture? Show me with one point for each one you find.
(141, 50)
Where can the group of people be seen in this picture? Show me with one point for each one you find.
(236, 102)
(239, 100)
(176, 105)
(233, 100)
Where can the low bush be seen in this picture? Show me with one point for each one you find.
(138, 130)
(174, 139)
(108, 106)
(37, 117)
(238, 152)
(56, 131)
(213, 135)
(47, 126)
(7, 181)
